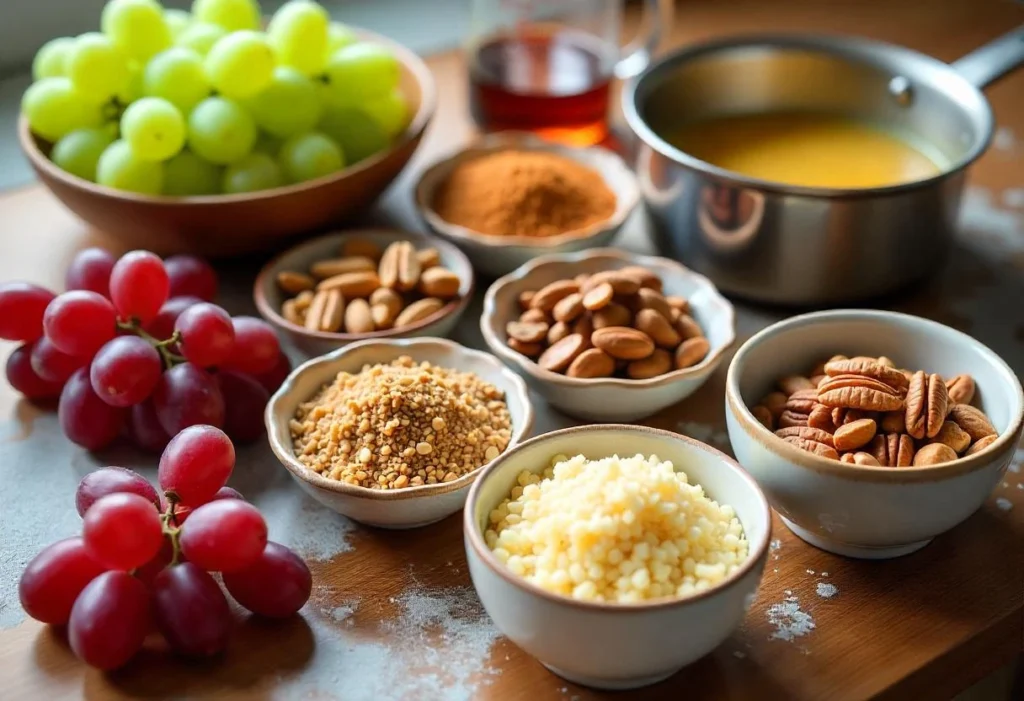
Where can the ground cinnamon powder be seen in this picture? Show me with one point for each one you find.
(523, 193)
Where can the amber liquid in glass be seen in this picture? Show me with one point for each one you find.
(555, 84)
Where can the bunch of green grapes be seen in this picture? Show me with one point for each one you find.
(203, 103)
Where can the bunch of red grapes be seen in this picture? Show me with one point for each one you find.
(137, 564)
(136, 345)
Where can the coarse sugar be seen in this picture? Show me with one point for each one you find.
(401, 424)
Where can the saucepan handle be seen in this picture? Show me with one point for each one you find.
(993, 60)
(637, 54)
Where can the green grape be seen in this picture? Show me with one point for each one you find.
(53, 108)
(359, 135)
(298, 33)
(121, 169)
(200, 37)
(232, 15)
(310, 156)
(51, 59)
(79, 151)
(339, 36)
(241, 64)
(220, 131)
(289, 105)
(137, 27)
(97, 68)
(188, 175)
(154, 128)
(177, 21)
(390, 111)
(361, 71)
(257, 171)
(134, 89)
(177, 75)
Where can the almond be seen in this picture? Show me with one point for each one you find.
(388, 298)
(315, 313)
(358, 318)
(981, 444)
(692, 351)
(527, 332)
(439, 282)
(598, 297)
(613, 315)
(568, 308)
(933, 454)
(854, 435)
(560, 355)
(592, 362)
(534, 315)
(584, 326)
(383, 316)
(418, 311)
(763, 416)
(428, 258)
(293, 283)
(558, 331)
(652, 299)
(680, 303)
(525, 298)
(623, 342)
(621, 284)
(352, 285)
(355, 246)
(775, 402)
(644, 277)
(290, 313)
(658, 328)
(304, 299)
(530, 350)
(336, 266)
(961, 388)
(657, 363)
(548, 296)
(688, 327)
(860, 458)
(794, 383)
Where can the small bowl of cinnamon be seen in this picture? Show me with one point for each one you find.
(511, 196)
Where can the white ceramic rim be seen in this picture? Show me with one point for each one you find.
(626, 201)
(515, 385)
(499, 346)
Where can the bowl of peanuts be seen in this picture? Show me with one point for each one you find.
(392, 433)
(870, 431)
(364, 284)
(606, 335)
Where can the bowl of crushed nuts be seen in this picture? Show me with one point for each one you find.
(392, 433)
(605, 335)
(365, 284)
(872, 432)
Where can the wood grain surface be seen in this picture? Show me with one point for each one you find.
(921, 627)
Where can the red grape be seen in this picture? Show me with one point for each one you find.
(191, 276)
(144, 428)
(187, 396)
(273, 379)
(85, 418)
(256, 346)
(227, 493)
(24, 379)
(54, 578)
(161, 326)
(80, 322)
(22, 305)
(110, 620)
(224, 535)
(122, 531)
(125, 371)
(277, 585)
(207, 336)
(148, 572)
(196, 463)
(112, 480)
(53, 364)
(244, 402)
(139, 286)
(191, 611)
(90, 270)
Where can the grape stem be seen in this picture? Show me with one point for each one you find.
(169, 357)
(171, 529)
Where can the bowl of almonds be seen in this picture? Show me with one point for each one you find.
(605, 335)
(872, 432)
(368, 284)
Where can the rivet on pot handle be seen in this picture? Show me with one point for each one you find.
(637, 54)
(993, 60)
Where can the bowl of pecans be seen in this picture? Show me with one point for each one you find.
(872, 432)
(364, 284)
(605, 335)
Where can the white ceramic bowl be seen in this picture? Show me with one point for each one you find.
(496, 255)
(859, 511)
(268, 296)
(400, 508)
(609, 399)
(616, 646)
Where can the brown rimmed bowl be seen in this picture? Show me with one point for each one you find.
(228, 225)
(607, 645)
(269, 298)
(400, 508)
(859, 511)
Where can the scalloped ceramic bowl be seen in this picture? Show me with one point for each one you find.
(496, 255)
(268, 296)
(612, 398)
(616, 646)
(852, 510)
(400, 508)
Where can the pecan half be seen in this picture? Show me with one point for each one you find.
(892, 449)
(952, 435)
(859, 392)
(961, 389)
(807, 433)
(894, 422)
(791, 418)
(842, 416)
(803, 401)
(821, 418)
(794, 383)
(867, 367)
(813, 447)
(973, 421)
(927, 405)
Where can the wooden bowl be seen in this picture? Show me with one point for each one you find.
(225, 225)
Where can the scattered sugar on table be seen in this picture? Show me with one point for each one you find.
(1004, 504)
(790, 622)
(826, 590)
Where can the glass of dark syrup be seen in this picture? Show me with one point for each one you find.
(546, 66)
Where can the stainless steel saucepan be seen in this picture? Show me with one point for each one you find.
(799, 245)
